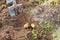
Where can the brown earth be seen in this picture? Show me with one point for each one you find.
(11, 28)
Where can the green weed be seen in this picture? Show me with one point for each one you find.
(28, 10)
(47, 26)
(3, 6)
(38, 1)
(59, 15)
(34, 35)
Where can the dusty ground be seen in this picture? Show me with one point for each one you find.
(11, 28)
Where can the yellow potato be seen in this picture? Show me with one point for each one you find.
(32, 25)
(27, 25)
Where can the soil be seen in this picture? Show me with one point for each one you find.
(12, 28)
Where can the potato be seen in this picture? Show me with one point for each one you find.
(32, 25)
(27, 25)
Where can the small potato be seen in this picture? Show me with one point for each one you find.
(27, 25)
(32, 25)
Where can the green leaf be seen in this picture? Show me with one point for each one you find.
(3, 6)
(58, 14)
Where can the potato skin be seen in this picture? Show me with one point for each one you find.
(27, 25)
